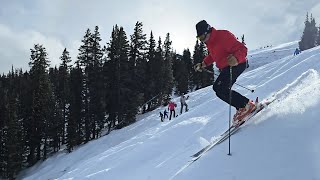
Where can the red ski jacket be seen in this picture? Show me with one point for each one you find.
(221, 44)
(172, 105)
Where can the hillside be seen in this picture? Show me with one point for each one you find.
(279, 143)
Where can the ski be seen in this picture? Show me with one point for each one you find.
(212, 143)
(223, 137)
(217, 141)
(233, 129)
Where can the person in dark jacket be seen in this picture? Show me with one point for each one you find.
(227, 52)
(161, 116)
(297, 51)
(165, 114)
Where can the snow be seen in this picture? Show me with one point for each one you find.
(281, 142)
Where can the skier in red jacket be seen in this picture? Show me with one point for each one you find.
(172, 107)
(226, 51)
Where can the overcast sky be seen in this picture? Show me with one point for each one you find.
(62, 23)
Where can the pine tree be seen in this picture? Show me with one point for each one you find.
(138, 68)
(3, 128)
(159, 71)
(97, 52)
(40, 102)
(85, 49)
(137, 46)
(86, 61)
(64, 94)
(4, 152)
(95, 84)
(61, 108)
(74, 123)
(25, 110)
(2, 104)
(183, 68)
(14, 144)
(90, 56)
(313, 32)
(110, 70)
(107, 69)
(155, 72)
(304, 38)
(127, 109)
(11, 129)
(180, 75)
(308, 39)
(120, 113)
(75, 134)
(57, 132)
(17, 86)
(51, 132)
(168, 72)
(152, 77)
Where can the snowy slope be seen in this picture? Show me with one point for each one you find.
(260, 57)
(282, 142)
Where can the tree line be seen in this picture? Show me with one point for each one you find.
(311, 34)
(47, 109)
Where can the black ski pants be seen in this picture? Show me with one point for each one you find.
(174, 114)
(222, 86)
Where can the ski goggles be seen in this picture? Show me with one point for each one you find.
(202, 37)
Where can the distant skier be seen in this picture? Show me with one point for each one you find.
(297, 51)
(165, 114)
(226, 52)
(161, 116)
(172, 107)
(183, 103)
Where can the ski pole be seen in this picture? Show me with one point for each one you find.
(230, 100)
(211, 72)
